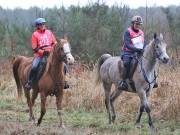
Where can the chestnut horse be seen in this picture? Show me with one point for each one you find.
(52, 80)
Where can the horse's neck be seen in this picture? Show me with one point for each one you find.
(149, 59)
(55, 67)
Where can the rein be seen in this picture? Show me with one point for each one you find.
(145, 75)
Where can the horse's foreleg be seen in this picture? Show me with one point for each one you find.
(145, 105)
(107, 89)
(43, 107)
(141, 110)
(113, 96)
(147, 108)
(59, 98)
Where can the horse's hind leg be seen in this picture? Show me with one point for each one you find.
(113, 96)
(27, 94)
(43, 107)
(33, 98)
(107, 90)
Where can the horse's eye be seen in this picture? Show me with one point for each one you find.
(59, 50)
(157, 46)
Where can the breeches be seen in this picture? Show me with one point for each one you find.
(126, 61)
(36, 63)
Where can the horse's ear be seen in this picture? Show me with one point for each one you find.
(161, 36)
(62, 41)
(155, 35)
(67, 36)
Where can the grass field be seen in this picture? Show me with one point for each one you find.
(84, 110)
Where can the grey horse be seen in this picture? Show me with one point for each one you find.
(109, 70)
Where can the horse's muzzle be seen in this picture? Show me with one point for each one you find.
(165, 60)
(70, 58)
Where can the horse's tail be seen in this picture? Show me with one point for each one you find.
(100, 61)
(16, 62)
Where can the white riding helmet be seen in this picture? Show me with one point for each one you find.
(137, 19)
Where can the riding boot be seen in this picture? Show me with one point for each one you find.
(155, 85)
(134, 63)
(133, 66)
(28, 85)
(66, 85)
(123, 84)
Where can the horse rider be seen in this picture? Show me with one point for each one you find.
(133, 46)
(130, 47)
(43, 41)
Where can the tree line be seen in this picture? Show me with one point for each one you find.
(93, 29)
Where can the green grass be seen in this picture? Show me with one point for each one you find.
(99, 121)
(13, 111)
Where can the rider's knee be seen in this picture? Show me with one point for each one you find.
(34, 68)
(126, 63)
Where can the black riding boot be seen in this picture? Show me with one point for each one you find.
(123, 84)
(66, 85)
(155, 85)
(32, 74)
(133, 66)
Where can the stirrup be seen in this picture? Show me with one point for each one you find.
(123, 85)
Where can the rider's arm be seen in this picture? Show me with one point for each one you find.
(127, 42)
(35, 48)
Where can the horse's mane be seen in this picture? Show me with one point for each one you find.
(148, 47)
(50, 58)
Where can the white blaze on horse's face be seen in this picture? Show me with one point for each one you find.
(161, 50)
(67, 51)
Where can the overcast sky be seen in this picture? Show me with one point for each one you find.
(51, 3)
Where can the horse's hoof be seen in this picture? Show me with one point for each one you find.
(62, 126)
(33, 123)
(138, 125)
(109, 125)
(113, 118)
(32, 118)
(153, 129)
(38, 124)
